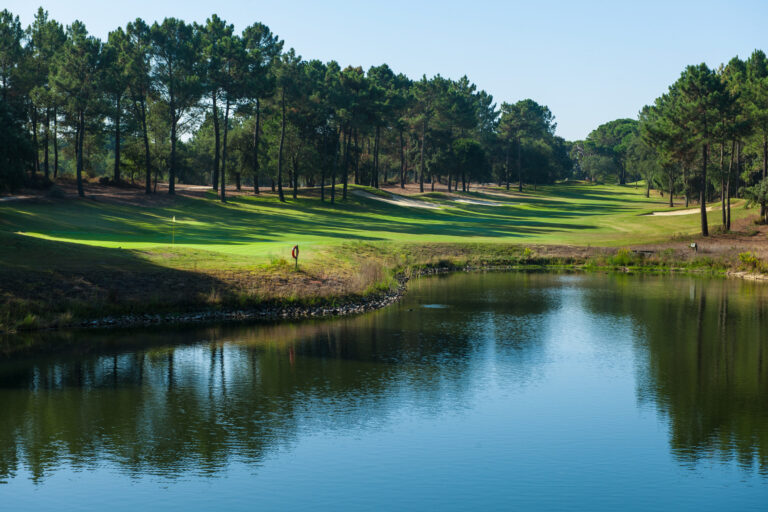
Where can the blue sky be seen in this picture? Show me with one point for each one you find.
(589, 61)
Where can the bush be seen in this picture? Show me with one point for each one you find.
(278, 262)
(29, 322)
(16, 153)
(527, 254)
(623, 258)
(752, 262)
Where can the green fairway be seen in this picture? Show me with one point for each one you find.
(257, 227)
(69, 259)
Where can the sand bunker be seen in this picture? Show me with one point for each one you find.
(689, 211)
(397, 200)
(478, 202)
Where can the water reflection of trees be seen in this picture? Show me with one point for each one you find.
(163, 402)
(706, 352)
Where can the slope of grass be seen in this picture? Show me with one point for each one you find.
(76, 258)
(257, 227)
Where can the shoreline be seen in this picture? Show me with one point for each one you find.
(275, 311)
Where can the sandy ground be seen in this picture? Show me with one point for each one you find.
(478, 202)
(413, 189)
(6, 199)
(397, 200)
(134, 193)
(127, 193)
(689, 211)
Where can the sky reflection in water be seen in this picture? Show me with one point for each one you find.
(520, 390)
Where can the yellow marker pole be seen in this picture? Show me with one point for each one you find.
(173, 231)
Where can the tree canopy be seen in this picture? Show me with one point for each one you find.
(180, 102)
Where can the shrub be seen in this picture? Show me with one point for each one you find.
(278, 262)
(623, 258)
(29, 322)
(752, 262)
(527, 254)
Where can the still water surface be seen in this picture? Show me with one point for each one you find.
(481, 391)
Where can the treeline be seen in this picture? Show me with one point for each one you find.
(202, 104)
(706, 138)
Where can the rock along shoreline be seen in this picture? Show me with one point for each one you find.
(270, 312)
(276, 312)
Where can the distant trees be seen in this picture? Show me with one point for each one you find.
(115, 86)
(177, 71)
(136, 53)
(16, 150)
(11, 52)
(521, 123)
(76, 78)
(710, 134)
(203, 104)
(755, 94)
(607, 147)
(214, 35)
(45, 39)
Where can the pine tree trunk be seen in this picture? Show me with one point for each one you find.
(223, 168)
(671, 191)
(765, 173)
(172, 170)
(519, 165)
(216, 145)
(322, 182)
(421, 163)
(147, 157)
(384, 177)
(506, 167)
(79, 150)
(34, 140)
(295, 181)
(738, 172)
(280, 149)
(722, 183)
(355, 178)
(685, 186)
(55, 144)
(333, 172)
(256, 148)
(46, 168)
(375, 177)
(117, 143)
(357, 160)
(402, 160)
(345, 167)
(728, 204)
(703, 191)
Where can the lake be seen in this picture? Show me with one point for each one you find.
(525, 391)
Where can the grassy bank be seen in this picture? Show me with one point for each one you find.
(64, 260)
